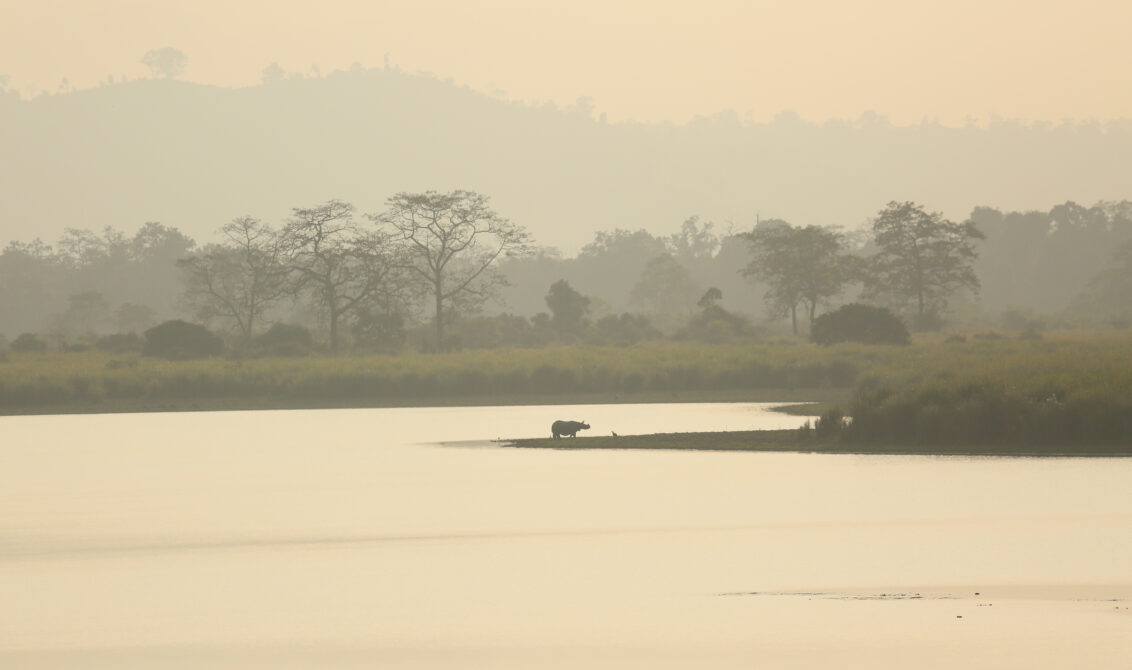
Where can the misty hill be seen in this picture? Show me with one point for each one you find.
(194, 157)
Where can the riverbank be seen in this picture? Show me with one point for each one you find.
(805, 441)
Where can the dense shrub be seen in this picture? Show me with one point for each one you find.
(859, 323)
(179, 340)
(285, 340)
(382, 332)
(830, 424)
(28, 342)
(984, 412)
(119, 343)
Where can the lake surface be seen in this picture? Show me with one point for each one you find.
(404, 538)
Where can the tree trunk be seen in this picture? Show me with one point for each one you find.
(250, 325)
(794, 318)
(439, 321)
(334, 329)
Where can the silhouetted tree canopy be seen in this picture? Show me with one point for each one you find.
(922, 258)
(803, 266)
(568, 308)
(167, 62)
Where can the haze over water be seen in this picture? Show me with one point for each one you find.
(353, 538)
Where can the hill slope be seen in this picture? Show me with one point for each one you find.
(195, 156)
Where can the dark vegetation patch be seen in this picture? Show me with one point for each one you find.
(179, 340)
(284, 340)
(26, 342)
(859, 323)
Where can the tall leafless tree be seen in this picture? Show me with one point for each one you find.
(338, 264)
(451, 242)
(239, 279)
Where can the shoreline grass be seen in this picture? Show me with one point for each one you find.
(801, 441)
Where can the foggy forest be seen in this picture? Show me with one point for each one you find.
(116, 264)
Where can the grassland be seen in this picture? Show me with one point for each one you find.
(657, 371)
(1063, 388)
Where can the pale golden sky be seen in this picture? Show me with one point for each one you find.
(638, 60)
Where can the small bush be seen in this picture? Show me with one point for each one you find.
(382, 332)
(285, 340)
(859, 323)
(180, 340)
(29, 342)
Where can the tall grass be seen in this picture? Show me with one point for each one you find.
(1064, 388)
(87, 377)
(1043, 394)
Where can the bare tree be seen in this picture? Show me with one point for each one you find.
(167, 62)
(238, 280)
(341, 267)
(451, 242)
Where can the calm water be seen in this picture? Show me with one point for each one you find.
(355, 538)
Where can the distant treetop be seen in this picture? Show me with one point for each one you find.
(167, 63)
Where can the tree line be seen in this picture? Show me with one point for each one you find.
(442, 248)
(435, 261)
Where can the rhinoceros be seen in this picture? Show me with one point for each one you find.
(571, 428)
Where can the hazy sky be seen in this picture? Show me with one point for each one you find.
(638, 59)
